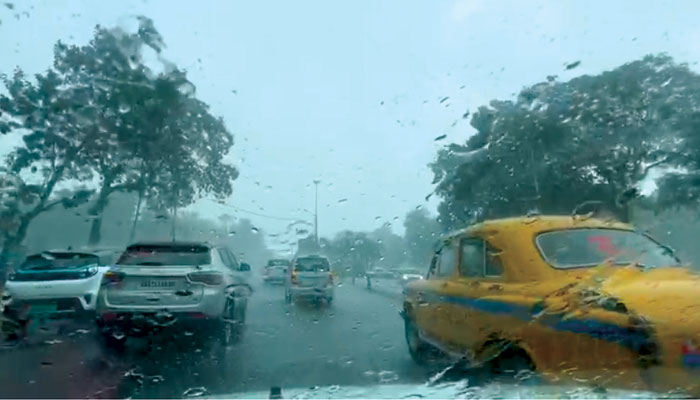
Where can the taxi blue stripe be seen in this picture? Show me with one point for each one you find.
(634, 339)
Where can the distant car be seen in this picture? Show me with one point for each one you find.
(276, 271)
(154, 286)
(381, 273)
(407, 276)
(309, 277)
(54, 284)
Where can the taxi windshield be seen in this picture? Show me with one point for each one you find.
(575, 248)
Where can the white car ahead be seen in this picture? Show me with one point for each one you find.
(184, 286)
(54, 284)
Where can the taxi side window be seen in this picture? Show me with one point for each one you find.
(479, 260)
(472, 258)
(448, 260)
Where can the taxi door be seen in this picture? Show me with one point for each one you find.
(479, 275)
(429, 307)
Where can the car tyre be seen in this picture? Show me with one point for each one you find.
(231, 328)
(421, 352)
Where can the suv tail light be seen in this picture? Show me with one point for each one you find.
(112, 277)
(207, 278)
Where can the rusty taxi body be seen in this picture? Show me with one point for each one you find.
(575, 299)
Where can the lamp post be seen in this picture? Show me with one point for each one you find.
(316, 182)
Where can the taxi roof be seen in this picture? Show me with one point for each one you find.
(540, 223)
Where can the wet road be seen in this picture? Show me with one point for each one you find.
(358, 340)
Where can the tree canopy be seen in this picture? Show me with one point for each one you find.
(559, 144)
(104, 111)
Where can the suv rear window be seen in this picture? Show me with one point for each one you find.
(312, 265)
(58, 260)
(277, 263)
(176, 254)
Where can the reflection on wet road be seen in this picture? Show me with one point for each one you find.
(358, 340)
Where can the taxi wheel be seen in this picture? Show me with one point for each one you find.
(421, 352)
(514, 363)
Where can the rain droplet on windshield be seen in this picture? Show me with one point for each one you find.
(342, 201)
(195, 392)
(254, 229)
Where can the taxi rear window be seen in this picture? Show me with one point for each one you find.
(588, 247)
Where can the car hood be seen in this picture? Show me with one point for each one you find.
(450, 390)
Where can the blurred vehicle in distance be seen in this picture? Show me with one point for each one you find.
(409, 275)
(154, 286)
(275, 271)
(309, 277)
(381, 273)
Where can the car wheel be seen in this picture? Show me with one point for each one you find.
(231, 327)
(514, 363)
(421, 352)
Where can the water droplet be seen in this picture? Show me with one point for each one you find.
(418, 207)
(254, 230)
(195, 392)
(341, 201)
(380, 241)
(124, 108)
(232, 233)
(387, 376)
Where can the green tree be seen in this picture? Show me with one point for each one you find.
(559, 144)
(422, 232)
(352, 252)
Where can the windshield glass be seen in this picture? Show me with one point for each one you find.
(326, 198)
(56, 260)
(311, 265)
(591, 247)
(156, 255)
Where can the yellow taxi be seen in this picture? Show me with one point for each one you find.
(575, 299)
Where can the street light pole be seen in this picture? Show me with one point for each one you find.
(316, 182)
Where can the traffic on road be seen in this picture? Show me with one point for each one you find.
(358, 199)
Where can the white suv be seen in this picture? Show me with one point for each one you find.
(155, 286)
(54, 284)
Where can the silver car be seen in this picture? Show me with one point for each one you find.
(309, 277)
(155, 286)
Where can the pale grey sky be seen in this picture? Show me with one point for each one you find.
(310, 78)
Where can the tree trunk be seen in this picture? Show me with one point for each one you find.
(172, 229)
(96, 213)
(12, 243)
(137, 213)
(11, 249)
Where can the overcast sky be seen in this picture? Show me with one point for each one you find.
(349, 92)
